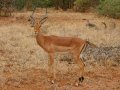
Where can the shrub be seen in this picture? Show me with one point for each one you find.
(81, 5)
(19, 4)
(29, 4)
(110, 8)
(42, 3)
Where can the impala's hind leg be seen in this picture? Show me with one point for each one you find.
(51, 69)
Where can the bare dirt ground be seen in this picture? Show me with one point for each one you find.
(23, 64)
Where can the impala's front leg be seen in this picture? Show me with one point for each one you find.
(51, 69)
(81, 68)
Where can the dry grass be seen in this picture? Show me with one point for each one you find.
(20, 55)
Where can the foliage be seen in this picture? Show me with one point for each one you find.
(6, 7)
(63, 4)
(82, 5)
(19, 4)
(109, 8)
(42, 3)
(1, 3)
(28, 4)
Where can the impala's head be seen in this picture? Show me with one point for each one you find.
(37, 26)
(37, 23)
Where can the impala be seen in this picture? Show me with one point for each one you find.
(52, 44)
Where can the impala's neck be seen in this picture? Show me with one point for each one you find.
(39, 37)
(39, 33)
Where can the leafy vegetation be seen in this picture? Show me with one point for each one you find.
(63, 4)
(42, 3)
(19, 4)
(28, 4)
(110, 8)
(81, 5)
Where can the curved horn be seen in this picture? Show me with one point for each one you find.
(32, 18)
(43, 18)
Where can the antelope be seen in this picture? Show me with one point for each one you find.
(52, 44)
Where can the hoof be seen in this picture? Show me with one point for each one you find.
(76, 84)
(81, 79)
(51, 81)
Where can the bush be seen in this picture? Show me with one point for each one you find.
(19, 4)
(110, 8)
(81, 5)
(29, 4)
(42, 3)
